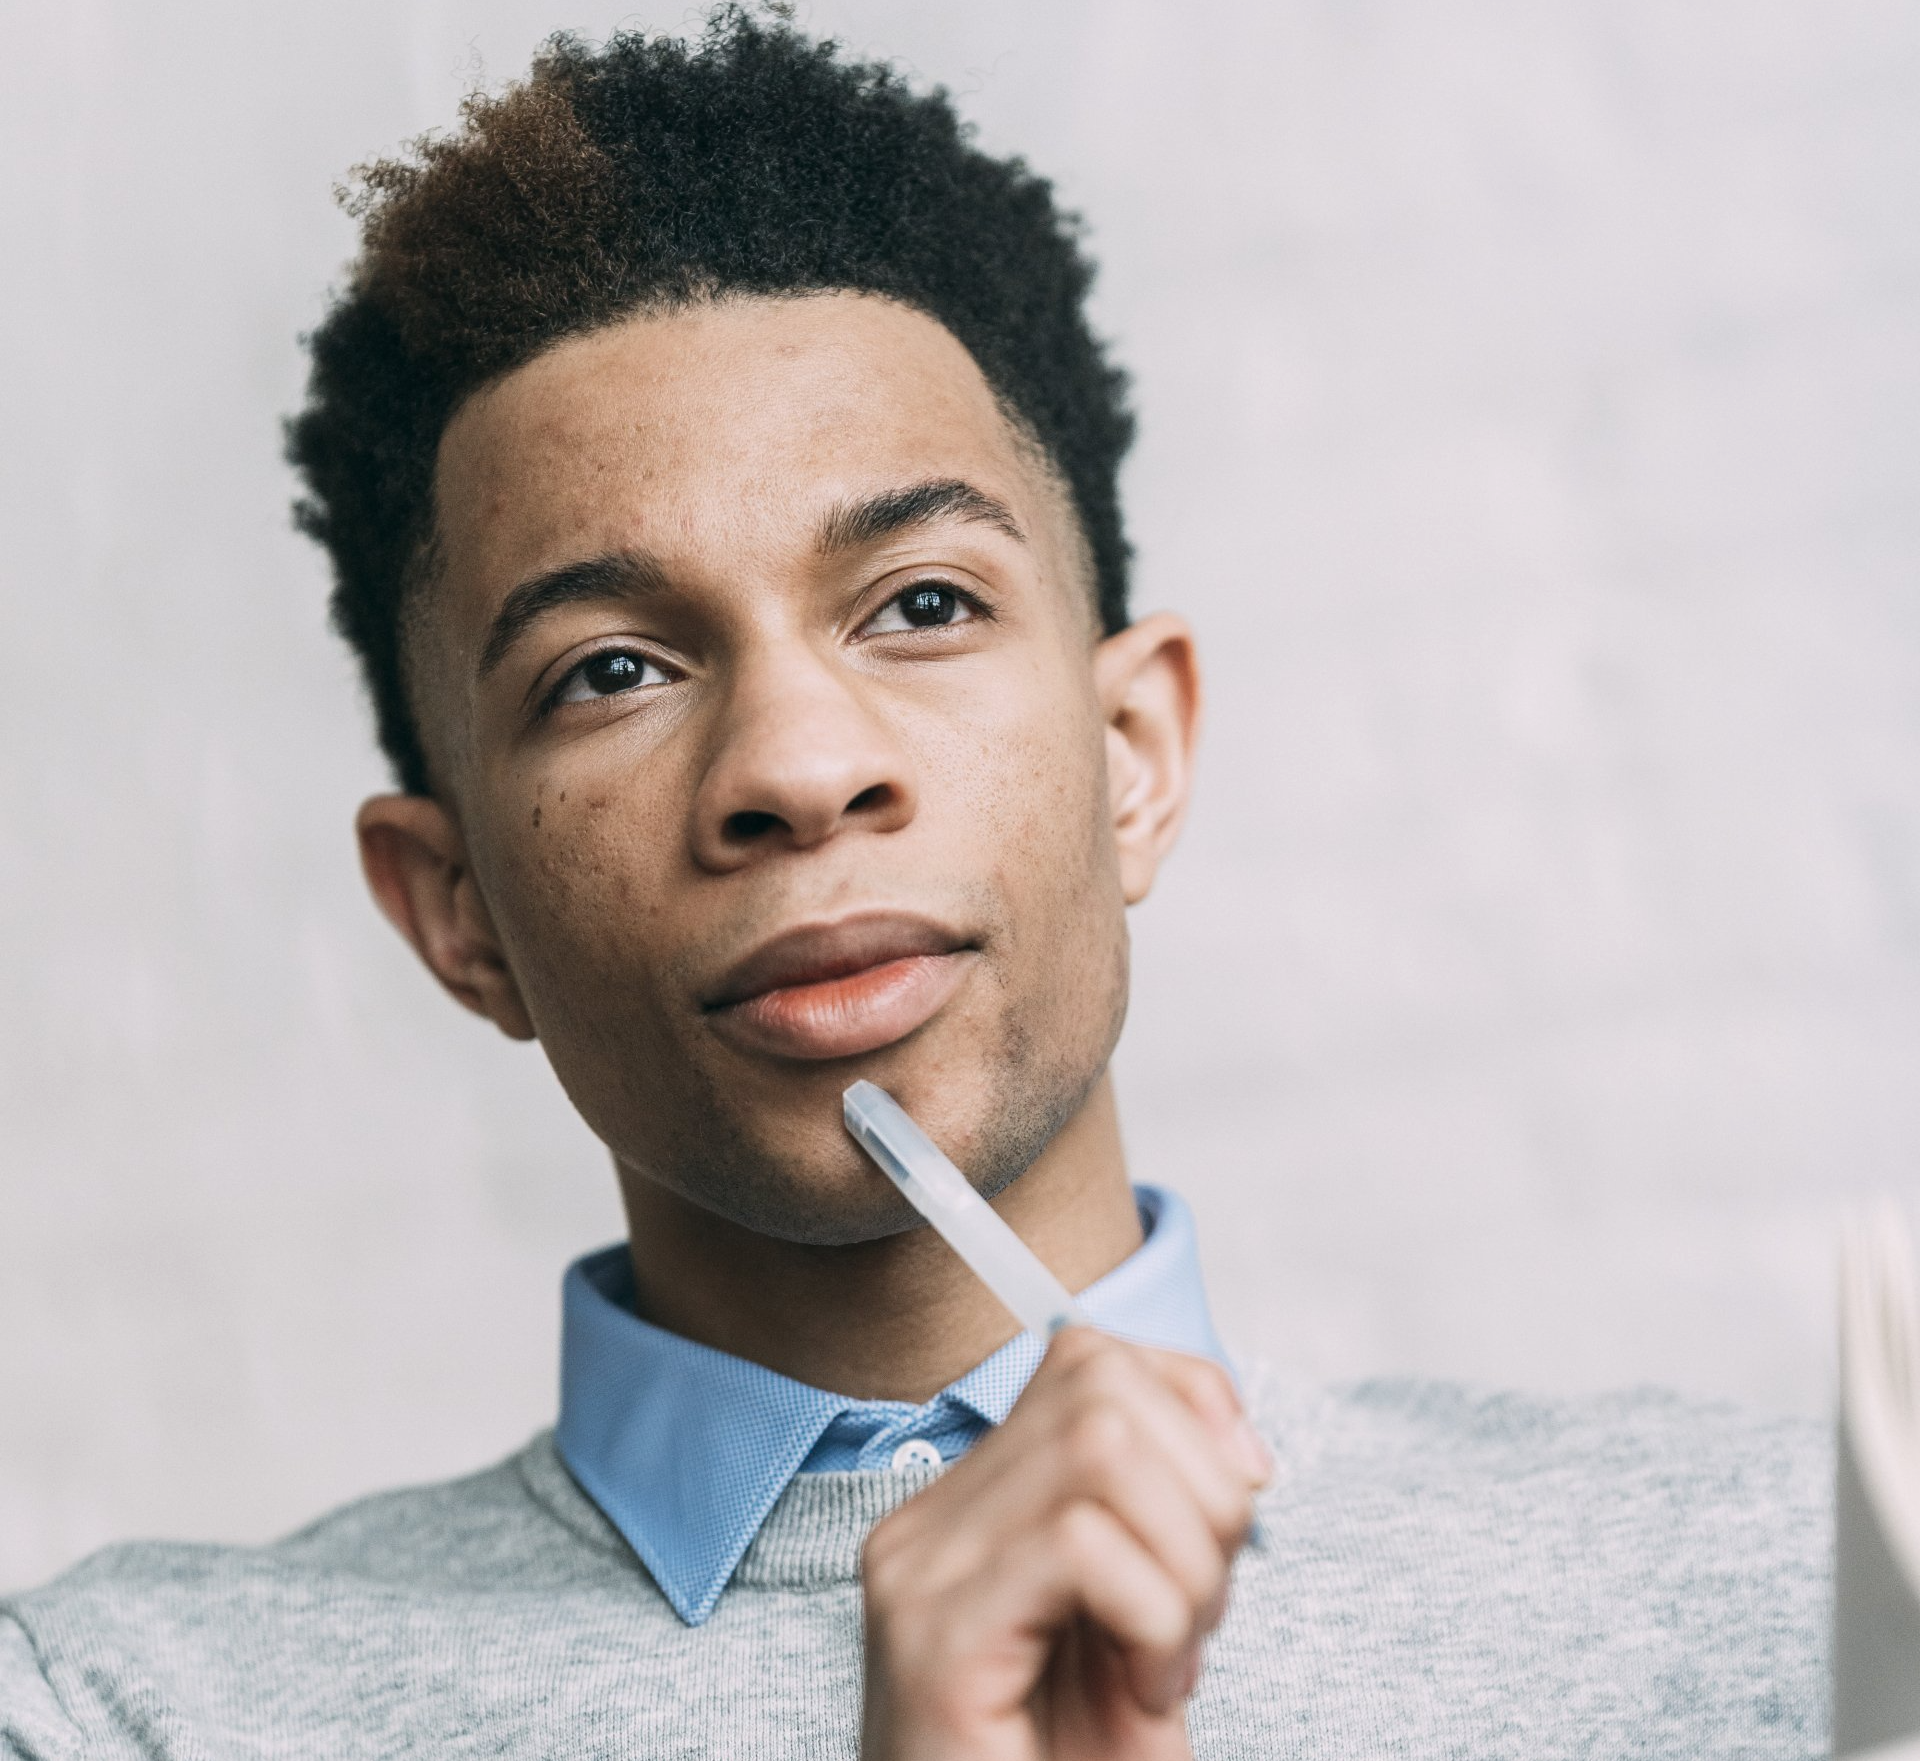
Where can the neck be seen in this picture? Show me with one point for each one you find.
(893, 1319)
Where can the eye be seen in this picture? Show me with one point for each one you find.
(607, 674)
(926, 605)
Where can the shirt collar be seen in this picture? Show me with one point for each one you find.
(686, 1449)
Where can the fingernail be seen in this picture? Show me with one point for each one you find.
(1254, 1454)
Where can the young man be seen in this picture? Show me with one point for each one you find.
(720, 480)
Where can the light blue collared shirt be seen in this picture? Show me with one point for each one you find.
(686, 1449)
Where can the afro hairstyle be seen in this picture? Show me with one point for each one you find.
(652, 173)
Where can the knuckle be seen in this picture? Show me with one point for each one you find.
(1231, 1519)
(1215, 1385)
(1084, 1533)
(1097, 1443)
(1231, 1513)
(1073, 1352)
(1201, 1383)
(1106, 1374)
(1074, 1345)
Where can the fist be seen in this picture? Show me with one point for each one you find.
(1051, 1595)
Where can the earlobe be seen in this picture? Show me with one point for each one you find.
(415, 861)
(1148, 680)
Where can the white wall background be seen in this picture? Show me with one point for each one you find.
(1531, 401)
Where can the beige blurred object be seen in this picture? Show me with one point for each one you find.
(1876, 1649)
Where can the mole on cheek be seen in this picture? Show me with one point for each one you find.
(536, 819)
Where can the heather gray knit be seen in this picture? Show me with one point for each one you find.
(1442, 1574)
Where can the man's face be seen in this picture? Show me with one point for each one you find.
(760, 675)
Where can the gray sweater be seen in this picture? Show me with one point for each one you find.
(1441, 1573)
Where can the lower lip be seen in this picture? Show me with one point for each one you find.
(843, 1017)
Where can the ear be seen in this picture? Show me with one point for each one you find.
(1148, 681)
(416, 863)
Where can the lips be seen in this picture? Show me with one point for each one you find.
(838, 990)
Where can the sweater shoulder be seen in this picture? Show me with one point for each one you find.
(1645, 1447)
(495, 1528)
(1418, 1426)
(182, 1649)
(1635, 1494)
(512, 1518)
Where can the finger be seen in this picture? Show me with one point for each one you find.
(1102, 1401)
(1126, 1592)
(1126, 1377)
(1092, 1707)
(1096, 1413)
(1001, 1468)
(1086, 1562)
(1208, 1391)
(1200, 1383)
(1109, 1459)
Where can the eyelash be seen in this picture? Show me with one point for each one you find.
(975, 606)
(551, 700)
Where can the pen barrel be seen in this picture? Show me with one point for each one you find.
(964, 1220)
(1010, 1269)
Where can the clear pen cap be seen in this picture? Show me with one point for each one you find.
(965, 1221)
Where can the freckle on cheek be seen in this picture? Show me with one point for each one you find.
(536, 819)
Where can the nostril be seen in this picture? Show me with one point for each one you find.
(749, 825)
(873, 797)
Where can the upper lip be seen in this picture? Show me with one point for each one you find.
(814, 953)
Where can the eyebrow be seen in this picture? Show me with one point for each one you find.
(623, 575)
(618, 575)
(856, 523)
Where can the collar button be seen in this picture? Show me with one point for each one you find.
(915, 1452)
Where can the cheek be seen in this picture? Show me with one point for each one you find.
(577, 888)
(1045, 832)
(1064, 972)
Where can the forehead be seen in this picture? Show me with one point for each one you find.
(715, 433)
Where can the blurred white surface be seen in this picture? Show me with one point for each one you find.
(1531, 404)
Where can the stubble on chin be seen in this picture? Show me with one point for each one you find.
(819, 1190)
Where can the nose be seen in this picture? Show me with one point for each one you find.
(800, 758)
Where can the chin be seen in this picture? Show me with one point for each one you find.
(823, 1192)
(811, 1201)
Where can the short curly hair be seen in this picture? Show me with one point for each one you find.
(648, 174)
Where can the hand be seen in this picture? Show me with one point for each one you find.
(1050, 1596)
